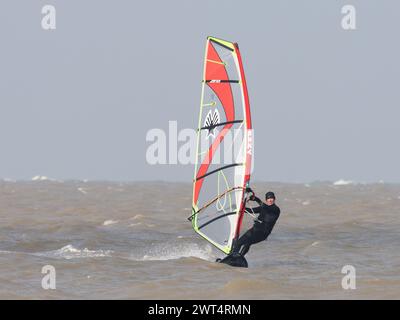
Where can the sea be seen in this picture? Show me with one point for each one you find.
(132, 240)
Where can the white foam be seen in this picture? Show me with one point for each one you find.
(135, 224)
(343, 182)
(44, 178)
(177, 252)
(5, 252)
(109, 222)
(82, 190)
(39, 178)
(70, 252)
(138, 216)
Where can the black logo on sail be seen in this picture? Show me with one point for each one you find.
(212, 120)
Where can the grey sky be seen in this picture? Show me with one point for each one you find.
(76, 103)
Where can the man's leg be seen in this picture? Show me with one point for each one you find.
(251, 238)
(244, 249)
(243, 240)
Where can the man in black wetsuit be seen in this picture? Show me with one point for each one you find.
(268, 215)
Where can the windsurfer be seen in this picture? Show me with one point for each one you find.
(268, 214)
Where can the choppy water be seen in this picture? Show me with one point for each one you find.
(132, 241)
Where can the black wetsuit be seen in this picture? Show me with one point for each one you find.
(261, 229)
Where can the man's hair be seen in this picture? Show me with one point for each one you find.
(269, 195)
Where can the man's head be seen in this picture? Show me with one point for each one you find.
(270, 198)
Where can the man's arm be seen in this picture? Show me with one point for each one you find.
(256, 199)
(255, 209)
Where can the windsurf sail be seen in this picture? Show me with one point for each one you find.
(224, 146)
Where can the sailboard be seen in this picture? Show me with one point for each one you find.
(224, 147)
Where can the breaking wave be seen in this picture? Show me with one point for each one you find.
(343, 182)
(70, 252)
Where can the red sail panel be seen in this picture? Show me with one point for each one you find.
(215, 70)
(207, 159)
